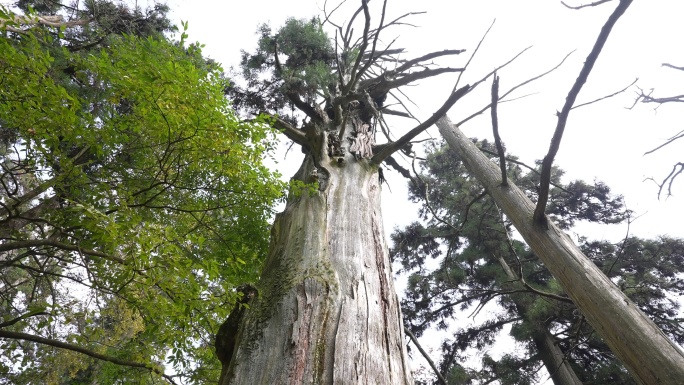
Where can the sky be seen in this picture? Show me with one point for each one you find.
(604, 141)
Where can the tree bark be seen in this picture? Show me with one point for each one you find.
(554, 360)
(550, 353)
(326, 312)
(642, 347)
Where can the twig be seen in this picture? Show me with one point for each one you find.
(371, 58)
(678, 135)
(515, 88)
(477, 48)
(585, 5)
(390, 148)
(622, 247)
(606, 97)
(677, 169)
(427, 199)
(539, 216)
(23, 317)
(526, 166)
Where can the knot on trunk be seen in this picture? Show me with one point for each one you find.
(226, 337)
(335, 149)
(362, 142)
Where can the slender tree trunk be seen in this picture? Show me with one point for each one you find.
(642, 347)
(554, 360)
(552, 356)
(326, 312)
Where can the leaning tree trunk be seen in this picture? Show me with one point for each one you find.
(635, 339)
(326, 312)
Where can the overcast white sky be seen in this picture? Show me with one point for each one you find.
(603, 141)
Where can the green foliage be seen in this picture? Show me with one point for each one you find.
(132, 200)
(470, 244)
(302, 66)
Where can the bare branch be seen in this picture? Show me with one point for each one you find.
(293, 133)
(389, 148)
(350, 31)
(513, 89)
(607, 96)
(523, 165)
(495, 70)
(408, 65)
(79, 349)
(328, 15)
(22, 317)
(539, 216)
(477, 48)
(427, 357)
(387, 52)
(386, 85)
(495, 129)
(680, 134)
(396, 21)
(362, 48)
(371, 56)
(677, 169)
(390, 161)
(403, 114)
(64, 246)
(55, 21)
(585, 5)
(671, 66)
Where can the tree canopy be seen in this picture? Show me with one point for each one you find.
(477, 260)
(132, 199)
(133, 202)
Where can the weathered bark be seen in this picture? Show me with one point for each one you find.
(554, 360)
(326, 312)
(641, 346)
(550, 353)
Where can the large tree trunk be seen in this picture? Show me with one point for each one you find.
(326, 312)
(643, 348)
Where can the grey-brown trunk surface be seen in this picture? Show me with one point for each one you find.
(327, 312)
(648, 354)
(550, 353)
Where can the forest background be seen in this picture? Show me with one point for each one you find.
(605, 141)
